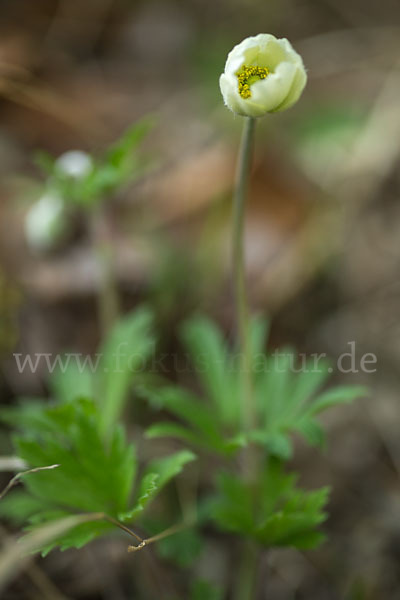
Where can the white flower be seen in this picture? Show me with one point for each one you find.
(262, 74)
(75, 164)
(45, 222)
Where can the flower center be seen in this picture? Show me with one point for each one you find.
(248, 75)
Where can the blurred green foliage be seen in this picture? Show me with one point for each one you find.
(98, 468)
(271, 511)
(288, 396)
(122, 163)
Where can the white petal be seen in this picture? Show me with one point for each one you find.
(248, 52)
(271, 54)
(230, 92)
(270, 92)
(298, 85)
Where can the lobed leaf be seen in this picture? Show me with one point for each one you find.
(273, 512)
(211, 361)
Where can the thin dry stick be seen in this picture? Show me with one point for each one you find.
(16, 479)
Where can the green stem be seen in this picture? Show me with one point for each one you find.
(160, 536)
(247, 574)
(107, 296)
(121, 526)
(239, 201)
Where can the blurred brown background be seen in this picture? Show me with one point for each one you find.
(323, 231)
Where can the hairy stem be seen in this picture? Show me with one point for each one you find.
(247, 573)
(239, 202)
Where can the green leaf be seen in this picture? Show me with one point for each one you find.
(44, 161)
(233, 510)
(272, 511)
(72, 382)
(187, 407)
(295, 523)
(19, 506)
(170, 466)
(125, 352)
(201, 428)
(76, 537)
(94, 475)
(90, 477)
(211, 362)
(312, 431)
(179, 432)
(277, 444)
(124, 465)
(234, 443)
(97, 467)
(148, 488)
(274, 388)
(121, 150)
(284, 389)
(158, 474)
(336, 395)
(286, 401)
(275, 487)
(308, 382)
(29, 415)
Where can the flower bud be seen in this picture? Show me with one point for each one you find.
(75, 164)
(262, 75)
(45, 222)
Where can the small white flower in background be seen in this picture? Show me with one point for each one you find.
(262, 74)
(75, 164)
(45, 222)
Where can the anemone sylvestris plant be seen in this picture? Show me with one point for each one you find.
(241, 421)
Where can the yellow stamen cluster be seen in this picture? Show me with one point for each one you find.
(246, 74)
